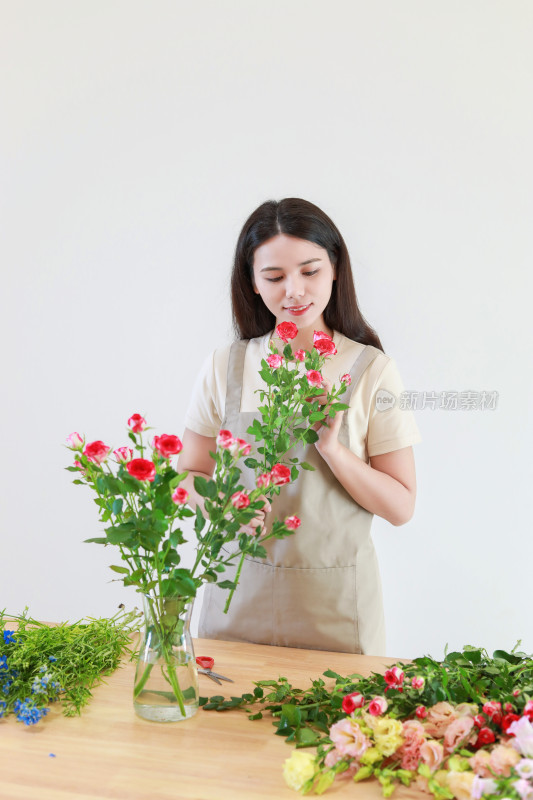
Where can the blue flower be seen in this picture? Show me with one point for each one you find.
(3, 706)
(3, 663)
(52, 658)
(28, 713)
(5, 687)
(9, 636)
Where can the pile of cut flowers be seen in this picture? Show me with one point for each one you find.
(459, 728)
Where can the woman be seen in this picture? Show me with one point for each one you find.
(319, 588)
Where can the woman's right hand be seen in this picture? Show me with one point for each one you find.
(259, 520)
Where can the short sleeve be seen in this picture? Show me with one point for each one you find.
(390, 426)
(203, 413)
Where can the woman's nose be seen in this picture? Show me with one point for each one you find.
(294, 287)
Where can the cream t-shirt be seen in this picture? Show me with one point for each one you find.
(374, 427)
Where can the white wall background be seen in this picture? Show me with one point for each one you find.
(136, 138)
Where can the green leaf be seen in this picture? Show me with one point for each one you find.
(117, 505)
(292, 714)
(317, 416)
(98, 540)
(310, 436)
(200, 484)
(227, 585)
(120, 570)
(305, 465)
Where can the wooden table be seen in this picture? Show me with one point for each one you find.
(109, 752)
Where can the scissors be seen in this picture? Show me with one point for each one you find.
(206, 663)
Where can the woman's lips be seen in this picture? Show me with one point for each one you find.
(297, 310)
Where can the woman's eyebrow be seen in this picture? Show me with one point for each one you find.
(303, 264)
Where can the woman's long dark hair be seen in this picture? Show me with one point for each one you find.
(295, 217)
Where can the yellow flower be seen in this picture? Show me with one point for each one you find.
(371, 756)
(388, 727)
(388, 744)
(298, 769)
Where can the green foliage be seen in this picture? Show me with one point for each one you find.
(75, 656)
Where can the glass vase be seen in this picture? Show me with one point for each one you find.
(166, 680)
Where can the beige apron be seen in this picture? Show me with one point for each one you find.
(320, 588)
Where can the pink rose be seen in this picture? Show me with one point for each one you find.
(180, 495)
(418, 682)
(74, 441)
(346, 378)
(299, 355)
(137, 423)
(287, 330)
(240, 448)
(225, 439)
(123, 454)
(314, 378)
(292, 523)
(240, 500)
(80, 466)
(432, 754)
(502, 759)
(421, 712)
(352, 701)
(394, 677)
(457, 731)
(142, 469)
(439, 717)
(348, 738)
(326, 347)
(280, 474)
(96, 451)
(378, 706)
(274, 361)
(263, 481)
(320, 335)
(167, 445)
(492, 708)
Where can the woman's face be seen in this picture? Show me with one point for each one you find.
(294, 278)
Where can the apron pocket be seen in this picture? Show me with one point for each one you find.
(316, 609)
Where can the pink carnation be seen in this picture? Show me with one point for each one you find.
(413, 739)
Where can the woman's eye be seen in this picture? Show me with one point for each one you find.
(273, 280)
(314, 272)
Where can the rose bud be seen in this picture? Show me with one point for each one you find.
(418, 682)
(378, 706)
(142, 469)
(286, 331)
(280, 474)
(346, 379)
(167, 445)
(314, 378)
(180, 495)
(352, 701)
(299, 355)
(240, 448)
(421, 712)
(480, 720)
(394, 677)
(516, 692)
(225, 439)
(80, 466)
(320, 335)
(263, 481)
(491, 708)
(274, 361)
(137, 423)
(74, 441)
(123, 454)
(292, 523)
(485, 736)
(508, 708)
(96, 451)
(326, 347)
(508, 720)
(240, 500)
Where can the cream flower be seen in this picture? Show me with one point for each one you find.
(432, 754)
(457, 731)
(298, 769)
(460, 784)
(439, 717)
(502, 758)
(348, 738)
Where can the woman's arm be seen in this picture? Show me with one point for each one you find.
(386, 486)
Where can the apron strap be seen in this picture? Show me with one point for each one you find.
(234, 379)
(363, 360)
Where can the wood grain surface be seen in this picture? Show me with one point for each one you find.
(109, 752)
